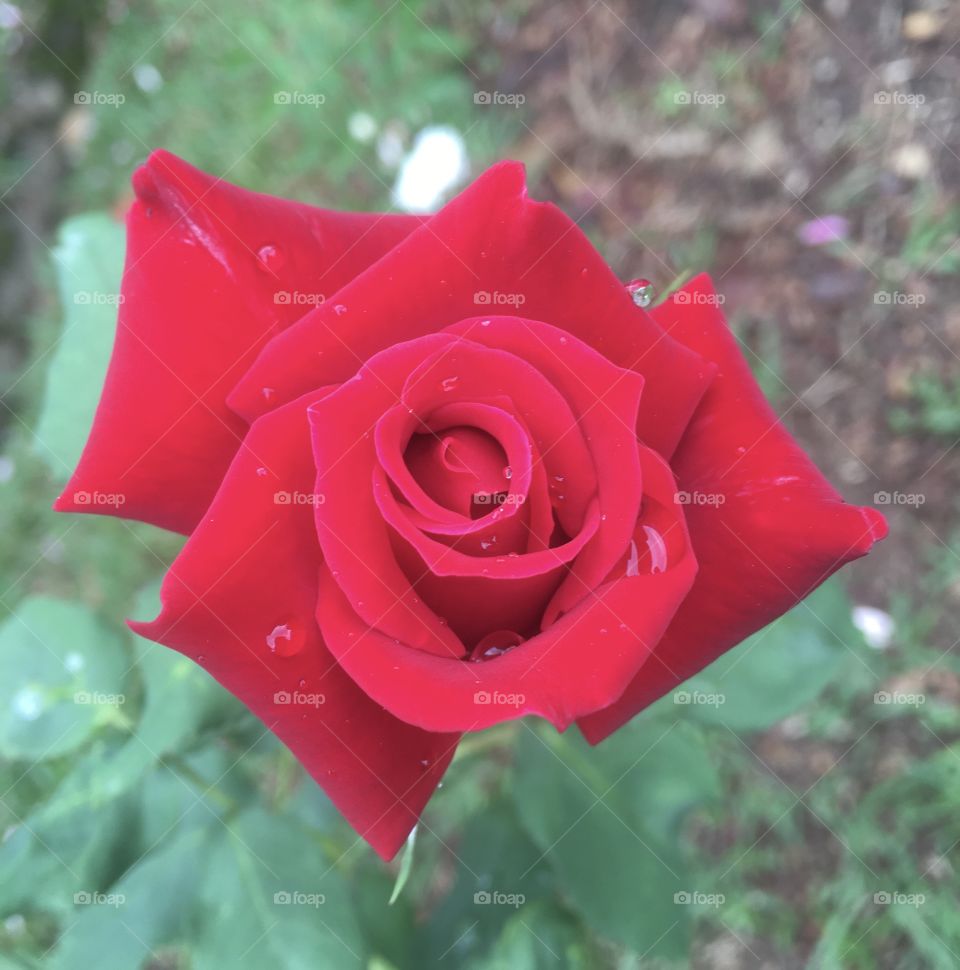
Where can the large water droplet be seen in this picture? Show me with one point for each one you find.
(284, 641)
(657, 548)
(270, 258)
(641, 291)
(633, 560)
(495, 644)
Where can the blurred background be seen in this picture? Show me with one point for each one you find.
(795, 805)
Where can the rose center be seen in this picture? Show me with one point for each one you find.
(461, 468)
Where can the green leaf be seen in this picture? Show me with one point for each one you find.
(587, 811)
(61, 677)
(89, 265)
(406, 864)
(67, 844)
(271, 900)
(778, 670)
(540, 937)
(153, 904)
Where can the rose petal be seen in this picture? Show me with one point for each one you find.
(212, 271)
(579, 664)
(780, 531)
(246, 581)
(491, 243)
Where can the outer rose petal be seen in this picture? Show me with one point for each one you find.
(579, 664)
(248, 577)
(205, 263)
(780, 532)
(491, 239)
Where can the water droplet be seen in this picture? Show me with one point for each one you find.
(449, 383)
(261, 471)
(302, 683)
(495, 644)
(488, 543)
(641, 291)
(201, 658)
(270, 258)
(27, 704)
(560, 478)
(657, 548)
(484, 323)
(267, 392)
(633, 560)
(339, 309)
(284, 641)
(425, 762)
(508, 473)
(563, 340)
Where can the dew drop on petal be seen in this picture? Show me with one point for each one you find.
(508, 473)
(657, 548)
(339, 309)
(641, 291)
(449, 383)
(284, 641)
(261, 471)
(633, 560)
(270, 258)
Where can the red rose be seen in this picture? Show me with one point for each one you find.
(439, 474)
